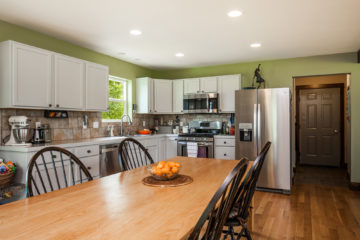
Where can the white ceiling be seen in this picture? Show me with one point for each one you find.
(200, 29)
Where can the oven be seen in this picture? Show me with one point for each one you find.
(200, 103)
(205, 146)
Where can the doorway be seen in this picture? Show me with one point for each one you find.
(321, 130)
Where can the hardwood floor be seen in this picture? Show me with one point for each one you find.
(312, 211)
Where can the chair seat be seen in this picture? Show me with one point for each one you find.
(233, 222)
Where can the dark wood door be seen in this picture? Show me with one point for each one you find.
(319, 130)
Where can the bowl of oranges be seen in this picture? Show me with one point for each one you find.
(165, 170)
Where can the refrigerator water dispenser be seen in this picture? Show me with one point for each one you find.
(245, 132)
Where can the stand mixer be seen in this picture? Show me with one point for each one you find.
(21, 132)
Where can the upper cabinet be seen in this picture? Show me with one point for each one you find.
(178, 95)
(153, 95)
(35, 78)
(227, 86)
(144, 95)
(69, 82)
(25, 76)
(162, 96)
(191, 85)
(97, 84)
(197, 85)
(208, 84)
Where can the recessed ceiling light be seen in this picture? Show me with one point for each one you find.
(179, 54)
(255, 45)
(135, 32)
(234, 13)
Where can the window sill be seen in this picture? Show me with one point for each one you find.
(111, 120)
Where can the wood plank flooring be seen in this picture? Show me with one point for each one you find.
(311, 212)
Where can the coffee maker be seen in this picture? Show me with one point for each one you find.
(42, 133)
(21, 133)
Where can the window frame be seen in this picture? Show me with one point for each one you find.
(125, 100)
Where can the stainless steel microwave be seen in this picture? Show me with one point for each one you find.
(201, 103)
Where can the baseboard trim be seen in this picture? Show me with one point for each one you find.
(354, 186)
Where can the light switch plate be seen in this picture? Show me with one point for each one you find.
(96, 125)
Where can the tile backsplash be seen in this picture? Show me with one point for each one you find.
(72, 127)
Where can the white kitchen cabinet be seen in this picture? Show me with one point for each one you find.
(162, 148)
(224, 147)
(92, 165)
(162, 96)
(154, 152)
(144, 95)
(178, 96)
(69, 82)
(191, 85)
(97, 87)
(35, 78)
(227, 86)
(208, 84)
(171, 147)
(25, 76)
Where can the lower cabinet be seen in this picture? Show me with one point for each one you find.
(171, 147)
(225, 147)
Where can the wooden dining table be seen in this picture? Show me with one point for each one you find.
(119, 206)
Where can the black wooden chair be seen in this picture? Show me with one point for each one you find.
(133, 154)
(239, 213)
(54, 168)
(211, 222)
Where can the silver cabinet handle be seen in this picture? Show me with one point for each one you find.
(88, 151)
(50, 105)
(224, 142)
(57, 105)
(224, 154)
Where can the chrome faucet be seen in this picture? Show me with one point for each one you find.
(121, 123)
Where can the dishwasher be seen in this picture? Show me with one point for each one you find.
(109, 159)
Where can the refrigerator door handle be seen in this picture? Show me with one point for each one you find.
(259, 129)
(255, 131)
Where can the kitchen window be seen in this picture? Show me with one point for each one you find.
(118, 99)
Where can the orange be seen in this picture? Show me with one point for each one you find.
(165, 170)
(158, 172)
(160, 165)
(153, 169)
(169, 175)
(175, 170)
(177, 164)
(171, 164)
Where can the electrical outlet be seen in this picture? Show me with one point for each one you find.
(144, 123)
(96, 125)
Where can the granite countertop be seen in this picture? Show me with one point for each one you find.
(224, 136)
(80, 142)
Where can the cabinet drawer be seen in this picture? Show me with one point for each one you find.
(225, 153)
(87, 151)
(225, 142)
(48, 157)
(92, 164)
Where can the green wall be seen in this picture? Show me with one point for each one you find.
(280, 73)
(117, 67)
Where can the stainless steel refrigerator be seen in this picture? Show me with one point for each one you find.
(264, 115)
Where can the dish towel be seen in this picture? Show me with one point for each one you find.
(192, 149)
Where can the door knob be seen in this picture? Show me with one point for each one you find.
(336, 131)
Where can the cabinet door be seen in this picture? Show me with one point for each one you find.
(227, 87)
(97, 85)
(171, 148)
(162, 96)
(31, 76)
(52, 175)
(162, 149)
(92, 164)
(69, 82)
(154, 153)
(144, 96)
(208, 84)
(178, 96)
(191, 85)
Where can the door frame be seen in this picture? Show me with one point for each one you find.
(342, 116)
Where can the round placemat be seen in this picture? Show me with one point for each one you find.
(178, 181)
